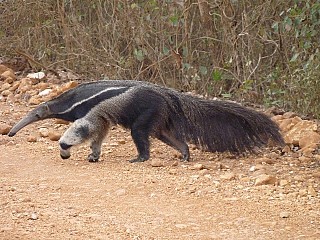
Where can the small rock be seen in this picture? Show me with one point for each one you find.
(283, 182)
(45, 92)
(303, 192)
(31, 138)
(197, 166)
(156, 163)
(33, 216)
(174, 164)
(54, 136)
(60, 121)
(181, 226)
(5, 86)
(289, 115)
(284, 214)
(9, 80)
(34, 100)
(8, 73)
(265, 179)
(228, 176)
(6, 93)
(312, 192)
(4, 129)
(3, 68)
(43, 132)
(43, 86)
(252, 168)
(69, 85)
(122, 141)
(37, 75)
(120, 192)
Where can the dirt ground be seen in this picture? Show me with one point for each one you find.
(211, 197)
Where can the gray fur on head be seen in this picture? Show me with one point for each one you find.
(150, 110)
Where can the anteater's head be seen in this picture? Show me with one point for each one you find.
(39, 113)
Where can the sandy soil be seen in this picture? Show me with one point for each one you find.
(211, 197)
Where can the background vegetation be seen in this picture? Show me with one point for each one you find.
(262, 51)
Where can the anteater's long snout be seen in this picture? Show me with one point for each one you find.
(39, 113)
(22, 123)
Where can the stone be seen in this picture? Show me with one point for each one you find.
(42, 86)
(37, 75)
(197, 166)
(43, 132)
(33, 216)
(5, 86)
(265, 179)
(6, 93)
(283, 182)
(45, 92)
(289, 115)
(120, 192)
(307, 140)
(54, 136)
(61, 121)
(284, 214)
(312, 192)
(157, 163)
(9, 80)
(4, 129)
(68, 86)
(34, 100)
(32, 138)
(228, 176)
(3, 68)
(299, 131)
(7, 74)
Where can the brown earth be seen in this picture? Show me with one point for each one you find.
(211, 197)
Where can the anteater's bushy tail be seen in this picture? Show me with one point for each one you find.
(221, 126)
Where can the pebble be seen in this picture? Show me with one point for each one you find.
(181, 226)
(157, 163)
(312, 192)
(120, 192)
(265, 179)
(4, 129)
(283, 182)
(54, 136)
(32, 138)
(228, 176)
(33, 216)
(197, 166)
(284, 214)
(43, 132)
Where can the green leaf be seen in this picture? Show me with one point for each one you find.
(165, 50)
(174, 20)
(203, 70)
(226, 95)
(138, 53)
(294, 57)
(216, 75)
(186, 66)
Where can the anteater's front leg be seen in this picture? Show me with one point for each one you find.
(102, 128)
(77, 133)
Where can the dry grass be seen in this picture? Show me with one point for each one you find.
(222, 48)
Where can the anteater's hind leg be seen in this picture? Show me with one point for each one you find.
(140, 132)
(168, 138)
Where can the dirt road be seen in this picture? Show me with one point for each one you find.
(212, 197)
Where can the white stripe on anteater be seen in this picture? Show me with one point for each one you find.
(93, 96)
